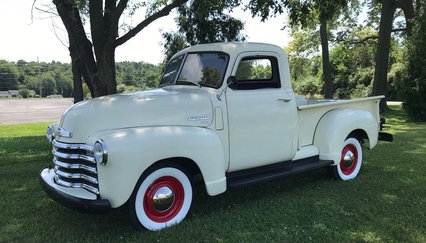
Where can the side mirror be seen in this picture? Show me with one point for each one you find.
(231, 80)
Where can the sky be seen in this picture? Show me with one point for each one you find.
(43, 38)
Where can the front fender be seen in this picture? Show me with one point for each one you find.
(131, 151)
(336, 125)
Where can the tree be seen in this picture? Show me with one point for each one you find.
(306, 13)
(48, 85)
(63, 84)
(8, 76)
(387, 13)
(326, 10)
(383, 48)
(93, 58)
(203, 21)
(353, 68)
(415, 83)
(139, 74)
(352, 62)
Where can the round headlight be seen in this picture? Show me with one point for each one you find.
(100, 152)
(50, 133)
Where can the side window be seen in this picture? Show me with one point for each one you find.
(257, 72)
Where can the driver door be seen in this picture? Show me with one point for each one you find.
(262, 115)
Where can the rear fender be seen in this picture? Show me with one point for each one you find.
(335, 126)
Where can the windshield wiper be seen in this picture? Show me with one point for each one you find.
(188, 82)
(166, 84)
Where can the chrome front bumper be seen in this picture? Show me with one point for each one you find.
(75, 198)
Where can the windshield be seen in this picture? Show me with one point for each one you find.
(201, 68)
(172, 70)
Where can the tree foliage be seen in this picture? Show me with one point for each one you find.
(203, 21)
(414, 88)
(8, 76)
(138, 74)
(56, 78)
(352, 63)
(307, 14)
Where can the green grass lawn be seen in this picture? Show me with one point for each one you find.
(386, 202)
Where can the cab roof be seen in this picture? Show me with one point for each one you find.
(233, 48)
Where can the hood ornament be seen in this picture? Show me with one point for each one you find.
(63, 133)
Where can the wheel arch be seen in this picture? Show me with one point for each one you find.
(359, 134)
(188, 164)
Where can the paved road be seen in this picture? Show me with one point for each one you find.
(15, 111)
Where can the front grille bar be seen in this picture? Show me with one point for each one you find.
(76, 176)
(61, 182)
(85, 147)
(73, 156)
(74, 166)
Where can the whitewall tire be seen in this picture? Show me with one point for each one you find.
(350, 161)
(162, 198)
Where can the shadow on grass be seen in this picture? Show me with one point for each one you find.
(386, 202)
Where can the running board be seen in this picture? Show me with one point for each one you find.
(274, 171)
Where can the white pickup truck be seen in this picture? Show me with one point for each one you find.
(225, 111)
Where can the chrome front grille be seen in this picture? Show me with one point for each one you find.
(75, 166)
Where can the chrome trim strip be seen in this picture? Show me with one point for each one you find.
(75, 185)
(74, 166)
(73, 156)
(85, 147)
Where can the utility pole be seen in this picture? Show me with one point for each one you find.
(40, 87)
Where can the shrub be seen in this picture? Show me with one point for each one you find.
(24, 93)
(307, 86)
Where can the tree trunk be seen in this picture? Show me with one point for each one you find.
(383, 49)
(100, 76)
(105, 76)
(408, 7)
(78, 83)
(417, 6)
(326, 68)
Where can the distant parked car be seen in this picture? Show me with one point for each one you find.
(54, 96)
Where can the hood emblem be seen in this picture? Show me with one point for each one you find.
(198, 118)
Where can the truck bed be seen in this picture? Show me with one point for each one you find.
(311, 111)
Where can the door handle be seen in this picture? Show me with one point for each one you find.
(284, 99)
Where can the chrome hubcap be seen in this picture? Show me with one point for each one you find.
(348, 159)
(163, 199)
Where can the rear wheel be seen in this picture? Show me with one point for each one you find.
(162, 198)
(350, 160)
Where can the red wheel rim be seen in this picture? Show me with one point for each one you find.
(148, 201)
(348, 165)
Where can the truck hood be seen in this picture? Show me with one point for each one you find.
(170, 106)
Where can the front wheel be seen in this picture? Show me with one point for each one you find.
(162, 198)
(350, 160)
